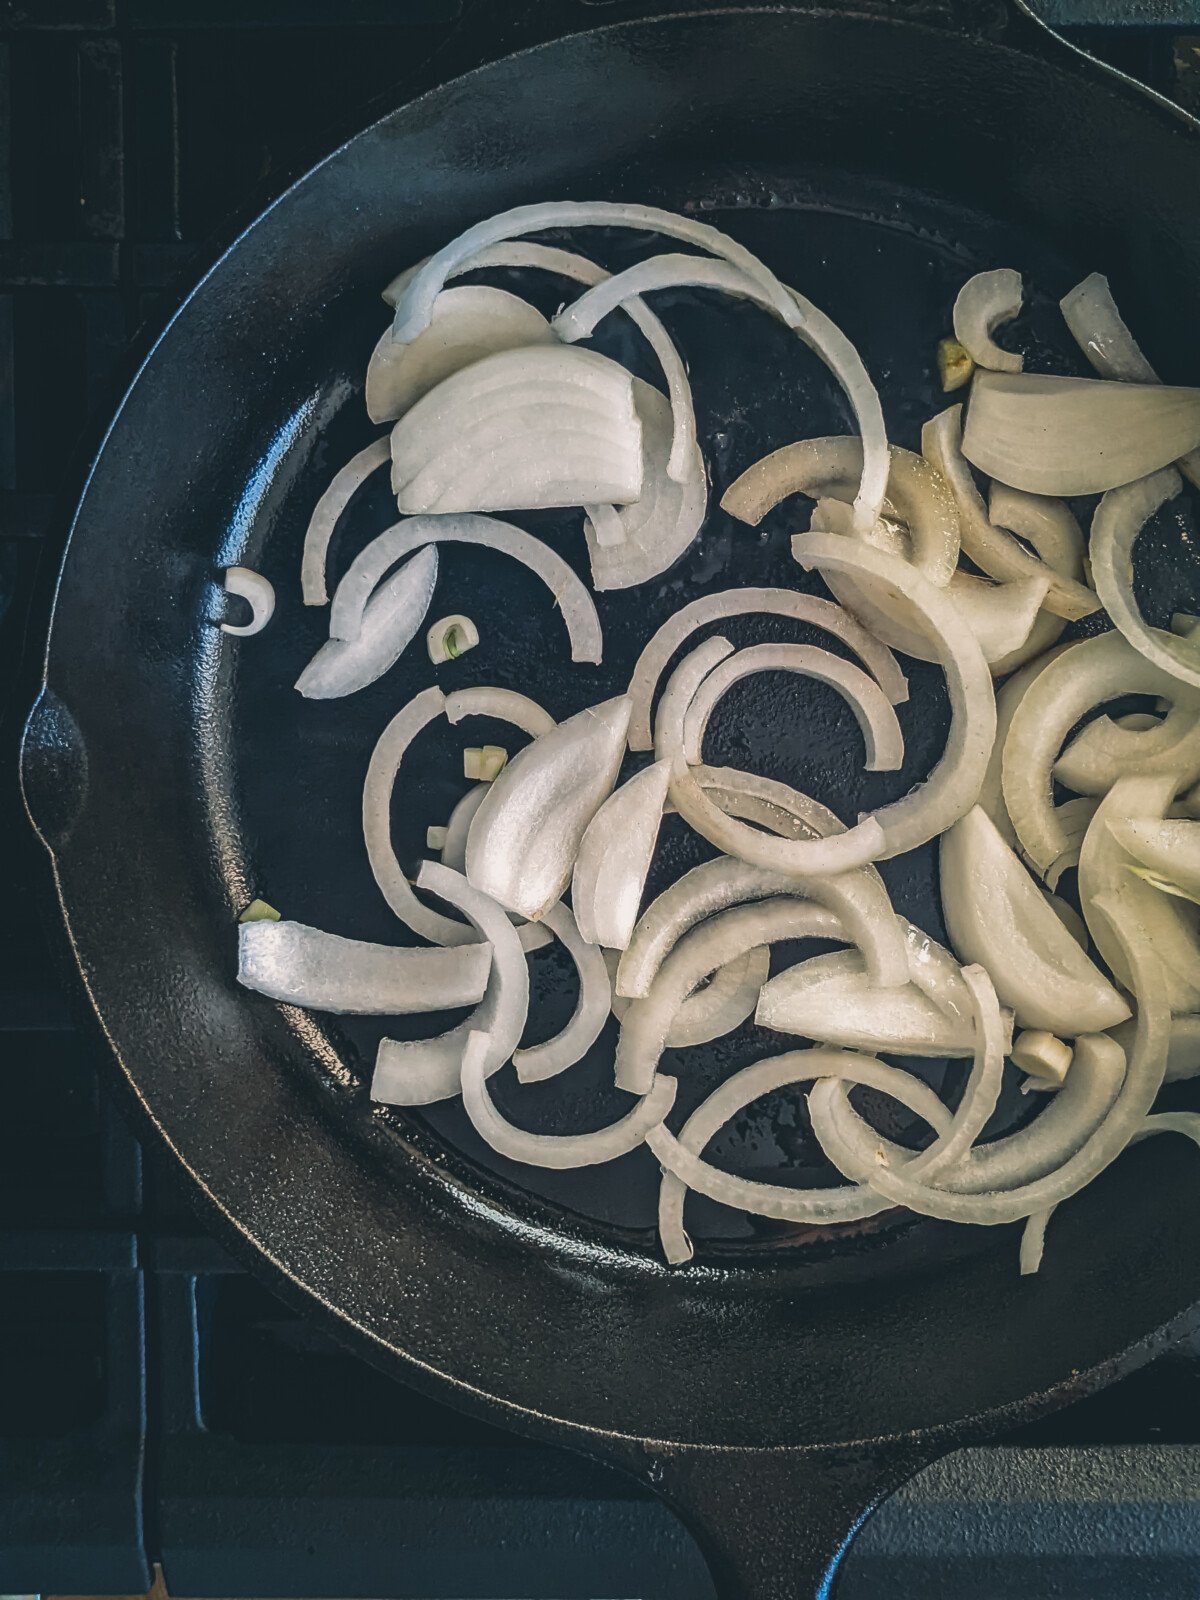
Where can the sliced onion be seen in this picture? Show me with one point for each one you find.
(828, 469)
(1138, 745)
(772, 805)
(614, 858)
(557, 1150)
(342, 489)
(1119, 518)
(506, 705)
(1069, 436)
(1084, 675)
(259, 594)
(392, 617)
(1169, 848)
(453, 851)
(570, 595)
(574, 1041)
(1100, 332)
(953, 786)
(683, 1167)
(305, 966)
(526, 834)
(984, 303)
(859, 900)
(715, 1007)
(872, 709)
(418, 1072)
(805, 608)
(1051, 528)
(523, 429)
(1008, 697)
(998, 917)
(1074, 817)
(1183, 1052)
(1043, 1056)
(468, 323)
(450, 637)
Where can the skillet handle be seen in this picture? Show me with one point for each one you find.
(775, 1524)
(54, 769)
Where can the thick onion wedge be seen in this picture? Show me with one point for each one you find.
(998, 917)
(570, 595)
(390, 622)
(1070, 436)
(258, 593)
(828, 468)
(419, 1072)
(953, 786)
(557, 1150)
(468, 323)
(831, 999)
(614, 858)
(873, 711)
(305, 966)
(573, 1042)
(526, 834)
(985, 302)
(804, 608)
(344, 485)
(1119, 518)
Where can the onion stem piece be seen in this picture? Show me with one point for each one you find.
(450, 637)
(954, 363)
(1042, 1056)
(484, 762)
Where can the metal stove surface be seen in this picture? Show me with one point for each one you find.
(156, 1405)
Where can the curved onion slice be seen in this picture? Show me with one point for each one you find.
(994, 550)
(839, 852)
(1119, 518)
(259, 594)
(859, 900)
(828, 469)
(542, 426)
(614, 858)
(561, 1151)
(1165, 924)
(805, 608)
(1074, 817)
(344, 485)
(1069, 436)
(1170, 849)
(570, 1045)
(382, 772)
(1046, 632)
(834, 1121)
(1008, 697)
(872, 709)
(683, 1167)
(772, 805)
(506, 705)
(998, 917)
(453, 852)
(714, 1008)
(418, 1072)
(570, 595)
(392, 617)
(1090, 312)
(1183, 1052)
(984, 302)
(468, 323)
(415, 303)
(953, 786)
(1084, 675)
(305, 966)
(1132, 746)
(523, 843)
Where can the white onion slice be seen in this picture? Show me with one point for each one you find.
(805, 608)
(389, 623)
(506, 705)
(1084, 675)
(574, 1041)
(1169, 848)
(1119, 518)
(1008, 697)
(453, 852)
(1136, 745)
(828, 468)
(258, 593)
(998, 917)
(614, 858)
(542, 426)
(1074, 817)
(305, 966)
(1071, 436)
(557, 1150)
(859, 900)
(953, 786)
(772, 805)
(984, 303)
(570, 595)
(982, 1088)
(831, 999)
(715, 1007)
(344, 485)
(873, 711)
(468, 323)
(421, 1071)
(1183, 1052)
(683, 1167)
(1101, 333)
(526, 834)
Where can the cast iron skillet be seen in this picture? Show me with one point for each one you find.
(775, 1390)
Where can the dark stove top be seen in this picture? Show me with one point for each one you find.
(156, 1405)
